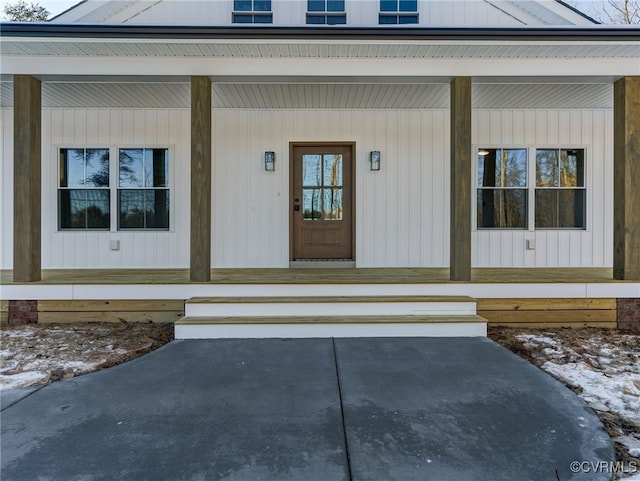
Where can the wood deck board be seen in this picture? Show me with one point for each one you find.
(325, 299)
(318, 276)
(330, 320)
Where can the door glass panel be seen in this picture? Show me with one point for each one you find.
(311, 170)
(311, 204)
(332, 204)
(333, 169)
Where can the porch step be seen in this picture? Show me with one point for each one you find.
(470, 325)
(324, 316)
(329, 306)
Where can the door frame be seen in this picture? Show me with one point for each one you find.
(342, 143)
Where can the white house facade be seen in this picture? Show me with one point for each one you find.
(400, 134)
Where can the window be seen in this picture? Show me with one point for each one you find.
(326, 12)
(143, 189)
(322, 187)
(83, 196)
(394, 12)
(560, 198)
(502, 188)
(252, 11)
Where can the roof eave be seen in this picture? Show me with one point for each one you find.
(527, 33)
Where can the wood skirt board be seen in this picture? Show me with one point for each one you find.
(109, 316)
(111, 305)
(545, 304)
(548, 317)
(547, 325)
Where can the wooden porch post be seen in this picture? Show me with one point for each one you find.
(626, 176)
(27, 128)
(460, 225)
(200, 253)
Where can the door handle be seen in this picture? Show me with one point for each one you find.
(296, 207)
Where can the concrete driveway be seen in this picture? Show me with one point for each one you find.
(458, 409)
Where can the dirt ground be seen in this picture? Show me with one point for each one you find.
(34, 354)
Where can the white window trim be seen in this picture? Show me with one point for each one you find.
(531, 186)
(114, 165)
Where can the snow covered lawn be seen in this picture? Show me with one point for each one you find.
(601, 365)
(37, 354)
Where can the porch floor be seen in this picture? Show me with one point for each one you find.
(320, 276)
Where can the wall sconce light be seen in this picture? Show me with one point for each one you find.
(270, 161)
(374, 160)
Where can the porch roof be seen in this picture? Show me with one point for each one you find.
(345, 52)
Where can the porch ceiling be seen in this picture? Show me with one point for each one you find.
(176, 94)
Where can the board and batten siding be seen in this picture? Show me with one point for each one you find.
(107, 128)
(589, 129)
(401, 212)
(293, 12)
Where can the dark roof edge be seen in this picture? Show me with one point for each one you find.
(579, 12)
(72, 7)
(562, 33)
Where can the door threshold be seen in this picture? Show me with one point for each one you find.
(322, 264)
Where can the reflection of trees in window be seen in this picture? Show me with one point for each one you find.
(83, 196)
(502, 193)
(143, 194)
(560, 191)
(322, 187)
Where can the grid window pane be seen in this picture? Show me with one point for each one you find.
(311, 204)
(547, 168)
(156, 208)
(408, 5)
(572, 168)
(71, 167)
(502, 167)
(97, 168)
(332, 207)
(407, 19)
(333, 169)
(316, 19)
(502, 208)
(242, 5)
(131, 208)
(311, 170)
(336, 19)
(262, 5)
(560, 208)
(316, 6)
(83, 208)
(263, 19)
(388, 5)
(242, 18)
(131, 168)
(388, 19)
(335, 5)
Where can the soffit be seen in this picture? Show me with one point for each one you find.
(319, 50)
(318, 95)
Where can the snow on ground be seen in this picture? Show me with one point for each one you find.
(604, 370)
(37, 354)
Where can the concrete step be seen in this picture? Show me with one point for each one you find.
(246, 327)
(265, 307)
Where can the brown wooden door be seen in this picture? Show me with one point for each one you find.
(321, 201)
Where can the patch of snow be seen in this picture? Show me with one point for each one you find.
(631, 443)
(618, 393)
(23, 379)
(538, 339)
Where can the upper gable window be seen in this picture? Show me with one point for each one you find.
(252, 11)
(394, 12)
(326, 12)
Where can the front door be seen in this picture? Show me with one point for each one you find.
(321, 201)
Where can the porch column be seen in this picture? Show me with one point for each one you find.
(460, 225)
(27, 127)
(626, 177)
(200, 253)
